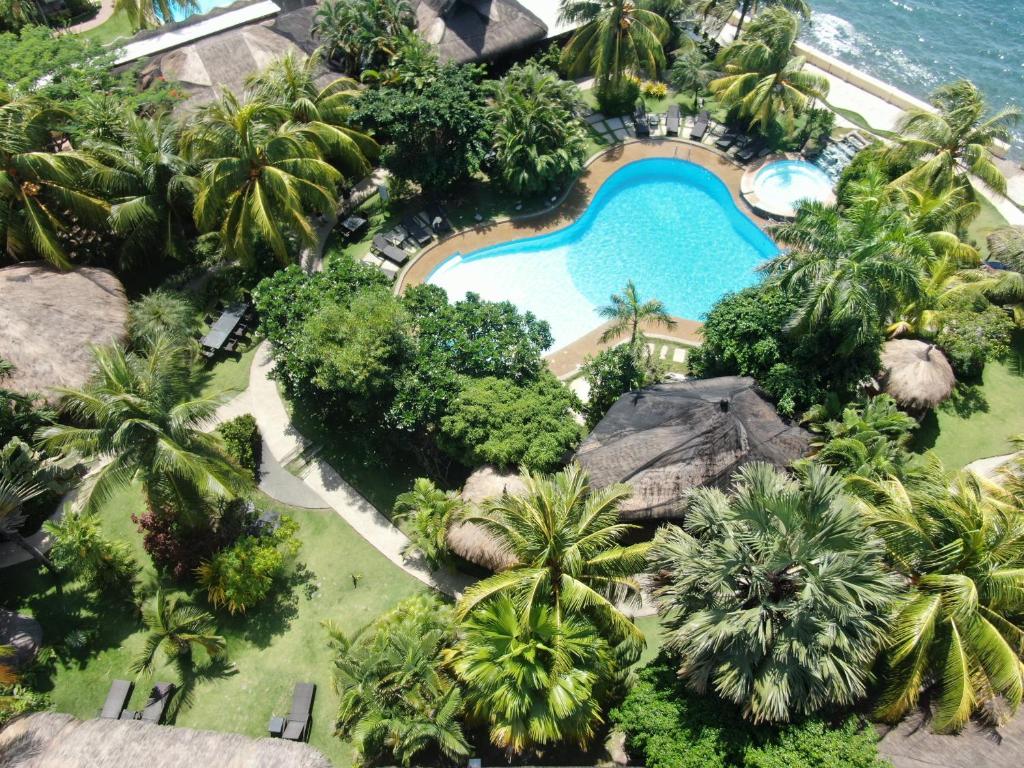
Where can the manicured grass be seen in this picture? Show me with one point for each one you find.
(114, 28)
(228, 376)
(269, 649)
(988, 219)
(651, 627)
(980, 421)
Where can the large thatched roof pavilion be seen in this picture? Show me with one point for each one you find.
(916, 374)
(477, 30)
(471, 541)
(48, 739)
(49, 318)
(668, 438)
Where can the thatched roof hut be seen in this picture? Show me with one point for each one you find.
(916, 374)
(471, 541)
(668, 438)
(48, 319)
(49, 739)
(23, 633)
(477, 30)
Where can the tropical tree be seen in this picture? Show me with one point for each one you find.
(613, 37)
(628, 312)
(176, 627)
(537, 137)
(146, 14)
(775, 596)
(41, 191)
(261, 177)
(15, 14)
(162, 313)
(359, 34)
(763, 79)
(534, 679)
(291, 82)
(564, 538)
(13, 497)
(1007, 246)
(150, 185)
(723, 9)
(81, 549)
(691, 70)
(959, 633)
(138, 419)
(430, 511)
(954, 141)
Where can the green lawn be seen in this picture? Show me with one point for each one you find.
(228, 376)
(988, 219)
(651, 627)
(114, 28)
(269, 649)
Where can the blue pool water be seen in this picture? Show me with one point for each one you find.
(669, 225)
(786, 182)
(202, 6)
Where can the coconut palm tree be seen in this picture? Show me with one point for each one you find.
(261, 177)
(775, 596)
(150, 185)
(41, 191)
(959, 633)
(13, 497)
(146, 14)
(953, 142)
(763, 79)
(691, 70)
(357, 34)
(613, 37)
(431, 512)
(627, 312)
(291, 82)
(531, 678)
(176, 627)
(138, 420)
(746, 8)
(564, 538)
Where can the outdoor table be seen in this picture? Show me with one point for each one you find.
(225, 325)
(353, 224)
(276, 727)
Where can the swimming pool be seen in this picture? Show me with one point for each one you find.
(782, 184)
(669, 225)
(202, 6)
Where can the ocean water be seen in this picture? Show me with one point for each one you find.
(669, 225)
(919, 44)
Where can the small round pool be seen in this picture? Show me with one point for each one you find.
(780, 185)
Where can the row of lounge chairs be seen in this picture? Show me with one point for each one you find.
(747, 148)
(389, 250)
(116, 705)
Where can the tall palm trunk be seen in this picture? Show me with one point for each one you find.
(745, 7)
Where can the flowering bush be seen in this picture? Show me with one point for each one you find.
(178, 547)
(654, 89)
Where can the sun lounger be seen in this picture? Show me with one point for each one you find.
(727, 141)
(388, 251)
(437, 218)
(700, 126)
(672, 120)
(156, 707)
(396, 236)
(640, 124)
(299, 720)
(419, 234)
(117, 699)
(748, 153)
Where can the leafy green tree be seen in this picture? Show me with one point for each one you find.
(430, 512)
(494, 421)
(243, 443)
(564, 537)
(81, 550)
(434, 133)
(972, 333)
(137, 417)
(260, 180)
(537, 137)
(398, 704)
(763, 79)
(358, 34)
(775, 597)
(146, 14)
(15, 14)
(20, 414)
(533, 678)
(958, 633)
(150, 186)
(955, 139)
(176, 627)
(613, 37)
(40, 190)
(162, 313)
(613, 372)
(627, 312)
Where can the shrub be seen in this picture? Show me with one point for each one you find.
(243, 574)
(613, 372)
(429, 511)
(80, 549)
(243, 443)
(618, 99)
(970, 337)
(654, 89)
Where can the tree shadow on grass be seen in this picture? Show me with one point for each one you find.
(967, 400)
(189, 677)
(261, 624)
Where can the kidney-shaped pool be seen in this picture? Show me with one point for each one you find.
(669, 225)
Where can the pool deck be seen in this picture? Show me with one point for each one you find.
(565, 361)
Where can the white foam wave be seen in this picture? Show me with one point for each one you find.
(835, 36)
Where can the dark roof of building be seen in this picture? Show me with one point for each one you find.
(475, 30)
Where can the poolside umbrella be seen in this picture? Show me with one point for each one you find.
(49, 320)
(471, 541)
(666, 439)
(916, 374)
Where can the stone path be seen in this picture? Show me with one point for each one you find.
(105, 12)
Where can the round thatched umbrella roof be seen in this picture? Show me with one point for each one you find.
(471, 541)
(916, 374)
(23, 633)
(50, 318)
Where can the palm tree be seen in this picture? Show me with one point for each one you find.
(959, 631)
(291, 82)
(138, 419)
(13, 497)
(151, 187)
(775, 597)
(953, 141)
(746, 8)
(1006, 245)
(691, 71)
(41, 191)
(162, 313)
(146, 14)
(431, 512)
(613, 37)
(357, 34)
(626, 311)
(15, 14)
(176, 627)
(261, 177)
(763, 79)
(532, 679)
(563, 537)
